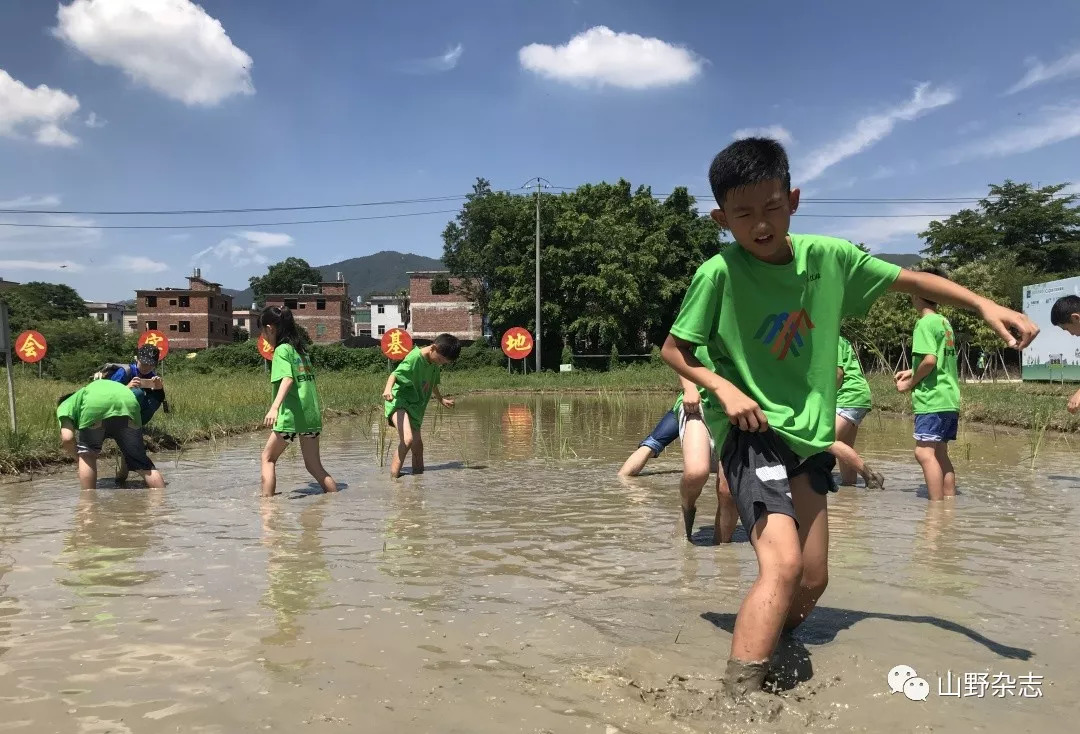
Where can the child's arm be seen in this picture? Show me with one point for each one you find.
(908, 379)
(1074, 402)
(445, 402)
(939, 290)
(691, 398)
(740, 409)
(388, 391)
(283, 390)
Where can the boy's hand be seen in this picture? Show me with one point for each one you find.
(904, 385)
(135, 382)
(157, 383)
(388, 396)
(1074, 402)
(447, 403)
(1001, 319)
(271, 418)
(903, 375)
(691, 402)
(742, 411)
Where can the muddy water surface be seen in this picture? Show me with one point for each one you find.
(519, 586)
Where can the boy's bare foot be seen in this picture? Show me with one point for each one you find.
(874, 479)
(743, 678)
(395, 467)
(688, 515)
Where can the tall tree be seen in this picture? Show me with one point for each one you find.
(287, 276)
(33, 303)
(1038, 227)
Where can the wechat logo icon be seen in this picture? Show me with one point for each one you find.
(904, 679)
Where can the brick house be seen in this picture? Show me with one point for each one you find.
(324, 310)
(434, 313)
(246, 319)
(195, 317)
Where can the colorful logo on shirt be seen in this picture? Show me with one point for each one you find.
(785, 331)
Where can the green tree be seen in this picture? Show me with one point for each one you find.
(615, 262)
(32, 304)
(287, 276)
(440, 285)
(1037, 227)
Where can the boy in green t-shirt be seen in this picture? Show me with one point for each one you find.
(104, 409)
(852, 406)
(935, 395)
(1065, 314)
(295, 412)
(775, 358)
(408, 391)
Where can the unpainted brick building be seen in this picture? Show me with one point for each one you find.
(326, 312)
(195, 317)
(436, 306)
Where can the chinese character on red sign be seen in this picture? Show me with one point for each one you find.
(31, 346)
(155, 339)
(517, 343)
(395, 344)
(265, 349)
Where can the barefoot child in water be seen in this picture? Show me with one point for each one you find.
(408, 391)
(296, 411)
(852, 405)
(769, 312)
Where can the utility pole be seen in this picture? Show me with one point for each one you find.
(536, 337)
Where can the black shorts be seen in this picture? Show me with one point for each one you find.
(759, 468)
(290, 437)
(128, 437)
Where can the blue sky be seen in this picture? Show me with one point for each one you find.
(165, 104)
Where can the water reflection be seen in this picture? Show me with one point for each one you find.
(296, 568)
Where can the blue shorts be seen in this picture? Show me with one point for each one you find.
(853, 415)
(666, 431)
(936, 427)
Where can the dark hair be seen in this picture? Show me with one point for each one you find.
(448, 346)
(281, 318)
(747, 162)
(933, 270)
(62, 398)
(1064, 308)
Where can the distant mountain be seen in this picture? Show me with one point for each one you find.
(383, 272)
(903, 259)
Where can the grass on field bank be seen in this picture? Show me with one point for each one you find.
(208, 406)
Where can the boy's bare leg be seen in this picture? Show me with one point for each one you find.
(275, 447)
(812, 509)
(697, 461)
(88, 471)
(154, 479)
(418, 453)
(401, 422)
(948, 473)
(309, 448)
(846, 433)
(636, 462)
(727, 513)
(763, 611)
(844, 453)
(933, 473)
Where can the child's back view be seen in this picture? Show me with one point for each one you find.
(935, 395)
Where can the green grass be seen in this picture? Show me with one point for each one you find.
(206, 407)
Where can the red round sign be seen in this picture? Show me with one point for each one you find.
(31, 346)
(395, 344)
(517, 343)
(265, 349)
(155, 339)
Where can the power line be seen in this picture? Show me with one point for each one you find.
(224, 226)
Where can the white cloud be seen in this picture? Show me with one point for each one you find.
(1040, 73)
(602, 56)
(904, 221)
(1054, 124)
(139, 264)
(79, 232)
(171, 46)
(30, 202)
(443, 62)
(776, 132)
(245, 248)
(872, 129)
(52, 265)
(37, 112)
(95, 122)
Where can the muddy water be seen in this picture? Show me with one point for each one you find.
(518, 586)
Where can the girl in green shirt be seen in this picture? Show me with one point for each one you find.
(296, 411)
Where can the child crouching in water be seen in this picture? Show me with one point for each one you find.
(296, 410)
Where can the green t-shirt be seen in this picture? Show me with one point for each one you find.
(938, 392)
(99, 400)
(854, 392)
(772, 330)
(414, 379)
(703, 356)
(300, 412)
